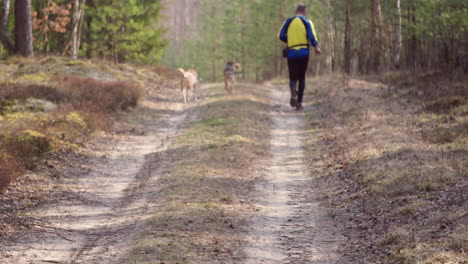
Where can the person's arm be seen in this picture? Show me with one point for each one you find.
(282, 34)
(313, 37)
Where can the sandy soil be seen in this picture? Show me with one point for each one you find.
(109, 203)
(289, 228)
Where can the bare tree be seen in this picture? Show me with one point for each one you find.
(77, 23)
(347, 39)
(330, 40)
(23, 28)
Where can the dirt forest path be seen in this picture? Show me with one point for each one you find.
(96, 223)
(289, 228)
(138, 175)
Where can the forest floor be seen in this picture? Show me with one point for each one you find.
(391, 151)
(362, 175)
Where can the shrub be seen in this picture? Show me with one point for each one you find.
(99, 96)
(26, 146)
(84, 105)
(445, 104)
(96, 120)
(75, 118)
(8, 170)
(11, 91)
(166, 72)
(83, 93)
(394, 236)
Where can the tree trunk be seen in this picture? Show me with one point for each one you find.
(336, 44)
(80, 28)
(330, 52)
(347, 40)
(23, 28)
(376, 36)
(5, 39)
(396, 54)
(77, 18)
(282, 18)
(412, 49)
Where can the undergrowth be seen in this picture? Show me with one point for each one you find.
(397, 157)
(56, 114)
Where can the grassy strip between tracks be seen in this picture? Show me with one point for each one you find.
(203, 203)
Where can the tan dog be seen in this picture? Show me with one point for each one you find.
(189, 81)
(230, 76)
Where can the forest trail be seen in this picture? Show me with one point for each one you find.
(108, 209)
(107, 205)
(288, 228)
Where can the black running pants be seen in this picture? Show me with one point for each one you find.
(297, 72)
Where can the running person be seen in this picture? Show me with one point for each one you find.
(298, 33)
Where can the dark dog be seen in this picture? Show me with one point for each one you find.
(230, 76)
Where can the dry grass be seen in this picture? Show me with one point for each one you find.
(99, 96)
(81, 92)
(8, 171)
(203, 199)
(166, 72)
(13, 91)
(397, 161)
(84, 105)
(26, 146)
(74, 106)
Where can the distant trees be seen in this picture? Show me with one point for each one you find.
(118, 30)
(239, 30)
(124, 30)
(50, 25)
(366, 36)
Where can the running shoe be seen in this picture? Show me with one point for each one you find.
(293, 101)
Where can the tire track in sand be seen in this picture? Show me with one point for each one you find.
(98, 223)
(289, 228)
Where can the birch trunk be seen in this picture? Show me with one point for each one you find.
(347, 40)
(396, 55)
(330, 52)
(77, 20)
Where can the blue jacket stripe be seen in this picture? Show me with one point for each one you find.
(283, 33)
(310, 33)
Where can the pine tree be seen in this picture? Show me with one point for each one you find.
(23, 43)
(125, 31)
